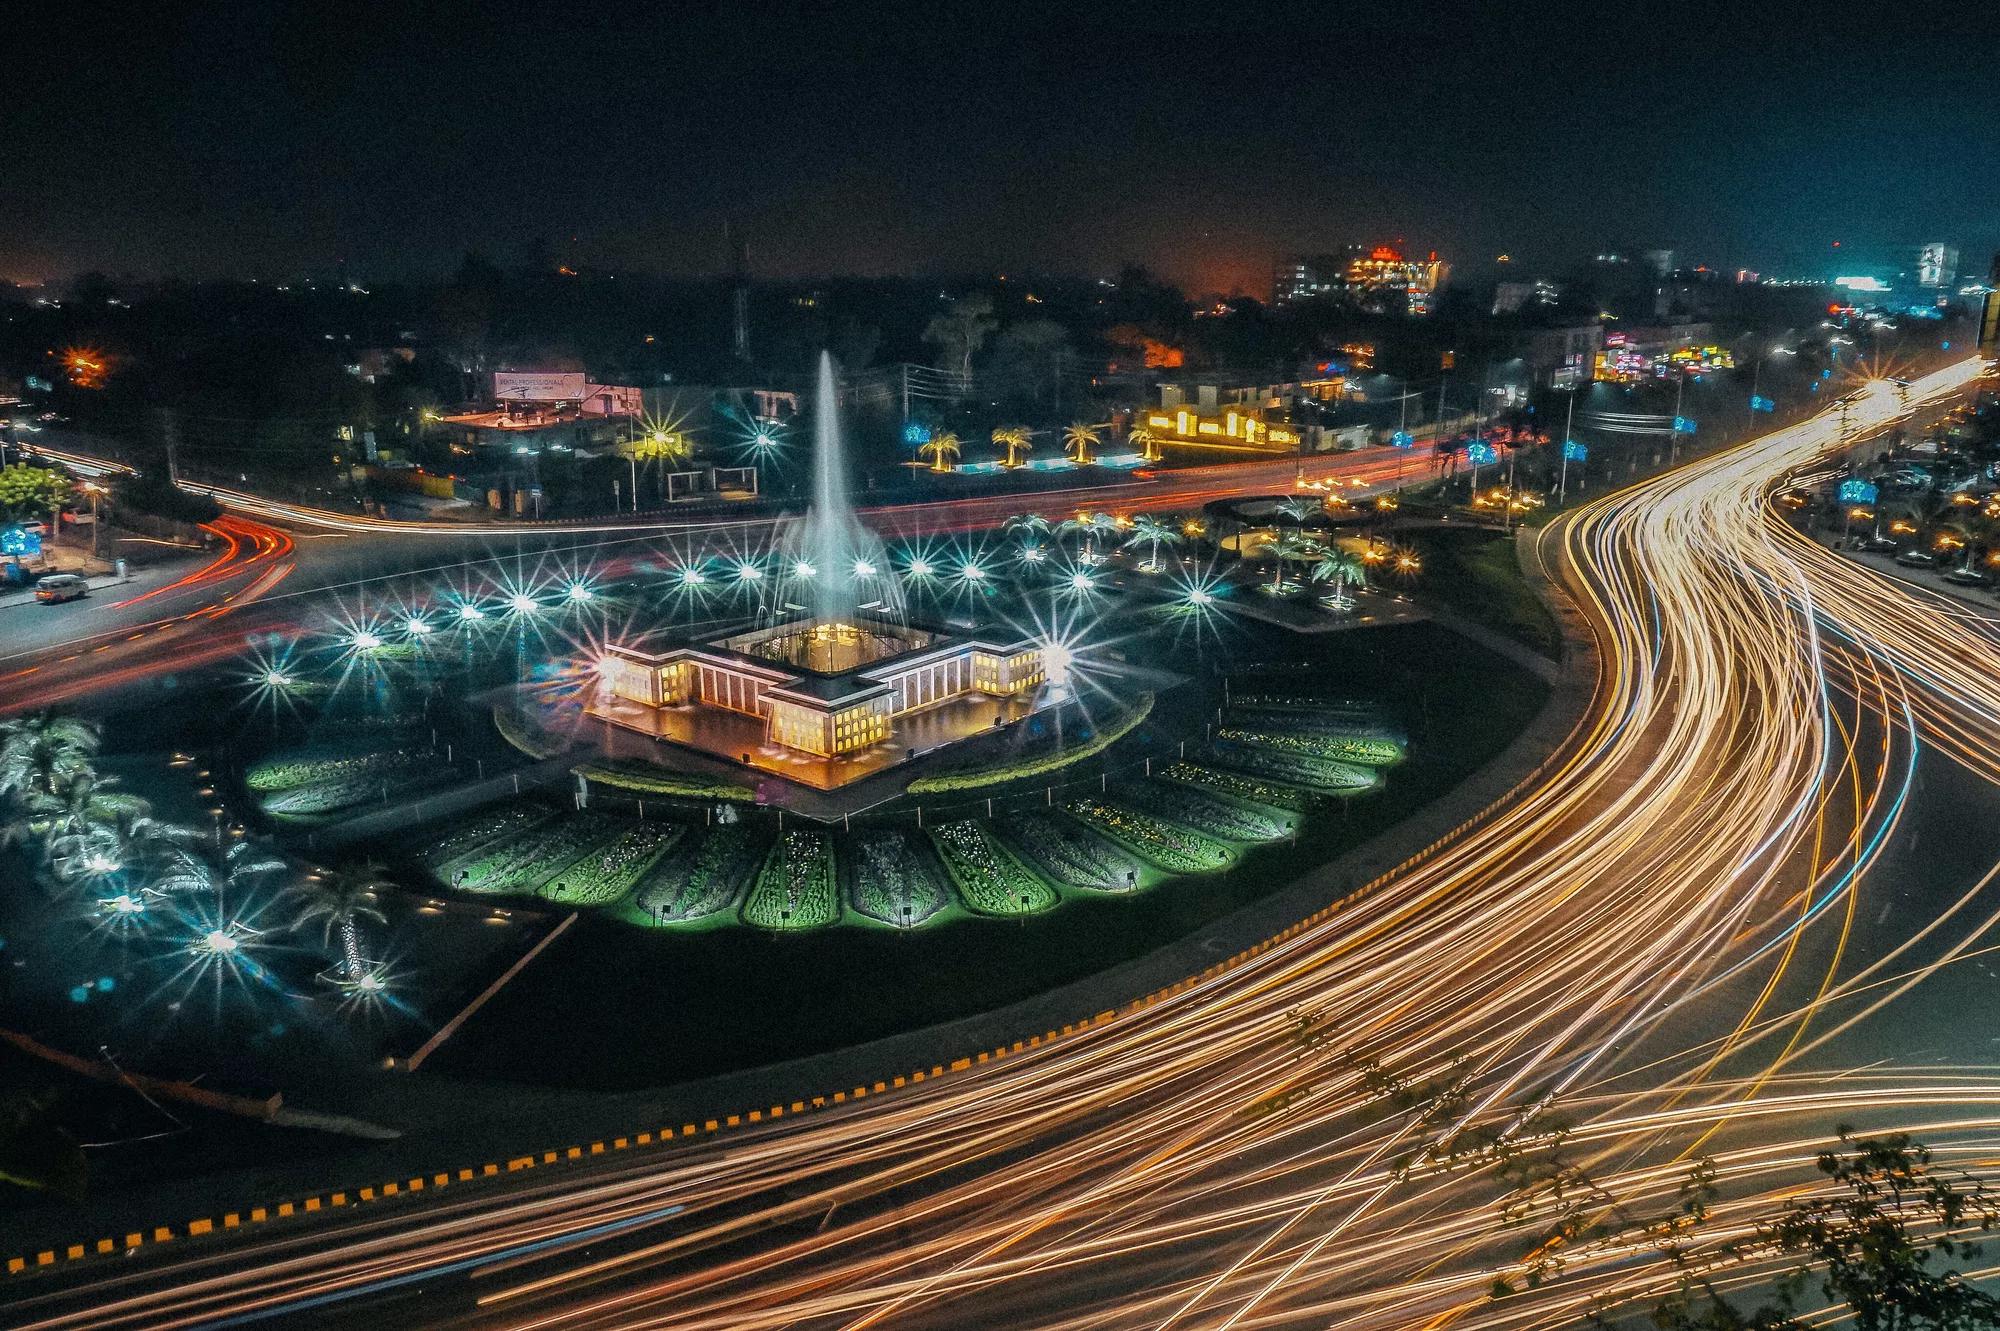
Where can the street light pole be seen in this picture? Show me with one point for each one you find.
(1569, 419)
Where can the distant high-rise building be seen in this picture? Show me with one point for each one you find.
(1660, 261)
(1937, 265)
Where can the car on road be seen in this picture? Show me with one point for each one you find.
(59, 587)
(1918, 559)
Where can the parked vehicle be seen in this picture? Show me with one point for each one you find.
(59, 587)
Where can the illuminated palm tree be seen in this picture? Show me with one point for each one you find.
(1148, 445)
(1026, 526)
(83, 808)
(39, 752)
(1340, 567)
(1016, 439)
(1079, 439)
(1092, 526)
(1152, 533)
(1300, 509)
(131, 845)
(1288, 546)
(943, 450)
(339, 899)
(238, 870)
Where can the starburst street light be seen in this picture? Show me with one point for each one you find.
(469, 612)
(748, 572)
(364, 640)
(1081, 582)
(221, 942)
(578, 592)
(523, 604)
(863, 569)
(921, 567)
(275, 678)
(804, 569)
(124, 905)
(692, 576)
(973, 573)
(417, 626)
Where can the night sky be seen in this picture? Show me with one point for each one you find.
(1201, 138)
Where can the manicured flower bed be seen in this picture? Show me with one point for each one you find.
(607, 873)
(1174, 849)
(989, 878)
(1348, 749)
(701, 878)
(895, 880)
(659, 781)
(524, 863)
(1287, 700)
(1211, 815)
(795, 888)
(319, 798)
(1075, 855)
(1269, 793)
(291, 771)
(1313, 723)
(1299, 769)
(488, 825)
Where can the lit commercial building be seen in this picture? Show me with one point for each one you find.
(1937, 266)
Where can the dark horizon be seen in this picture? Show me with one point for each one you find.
(275, 144)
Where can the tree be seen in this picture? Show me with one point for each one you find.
(338, 900)
(31, 492)
(79, 815)
(131, 844)
(942, 449)
(38, 751)
(1287, 546)
(1027, 362)
(1299, 509)
(1340, 567)
(1143, 439)
(1079, 439)
(238, 870)
(1016, 439)
(960, 331)
(1026, 526)
(1152, 533)
(1092, 526)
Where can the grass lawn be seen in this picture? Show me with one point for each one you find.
(1476, 573)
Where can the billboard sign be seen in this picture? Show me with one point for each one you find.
(539, 386)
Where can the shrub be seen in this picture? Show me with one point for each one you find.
(1174, 849)
(795, 888)
(1021, 769)
(1074, 854)
(700, 880)
(891, 873)
(659, 781)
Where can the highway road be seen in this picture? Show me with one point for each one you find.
(1671, 947)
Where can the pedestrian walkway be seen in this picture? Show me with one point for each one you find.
(409, 813)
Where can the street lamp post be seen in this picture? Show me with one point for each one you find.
(1569, 419)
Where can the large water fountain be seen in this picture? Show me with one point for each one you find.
(835, 570)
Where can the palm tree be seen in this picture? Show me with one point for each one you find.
(1016, 439)
(1340, 567)
(1300, 509)
(131, 844)
(1289, 545)
(37, 752)
(1026, 525)
(238, 870)
(82, 811)
(338, 899)
(1149, 446)
(1152, 533)
(1079, 439)
(942, 449)
(660, 444)
(1092, 526)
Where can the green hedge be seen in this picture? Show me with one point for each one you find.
(1027, 767)
(658, 781)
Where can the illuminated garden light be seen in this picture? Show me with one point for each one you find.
(804, 569)
(469, 612)
(217, 943)
(275, 678)
(863, 569)
(124, 904)
(417, 626)
(1200, 596)
(364, 640)
(749, 573)
(973, 573)
(1081, 582)
(578, 592)
(371, 983)
(98, 862)
(692, 576)
(921, 567)
(1034, 554)
(523, 604)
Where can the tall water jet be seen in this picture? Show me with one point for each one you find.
(835, 568)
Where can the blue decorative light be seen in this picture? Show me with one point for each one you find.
(1759, 403)
(1574, 452)
(1858, 492)
(1480, 454)
(916, 432)
(1403, 439)
(1684, 425)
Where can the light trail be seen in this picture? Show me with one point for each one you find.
(1228, 1156)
